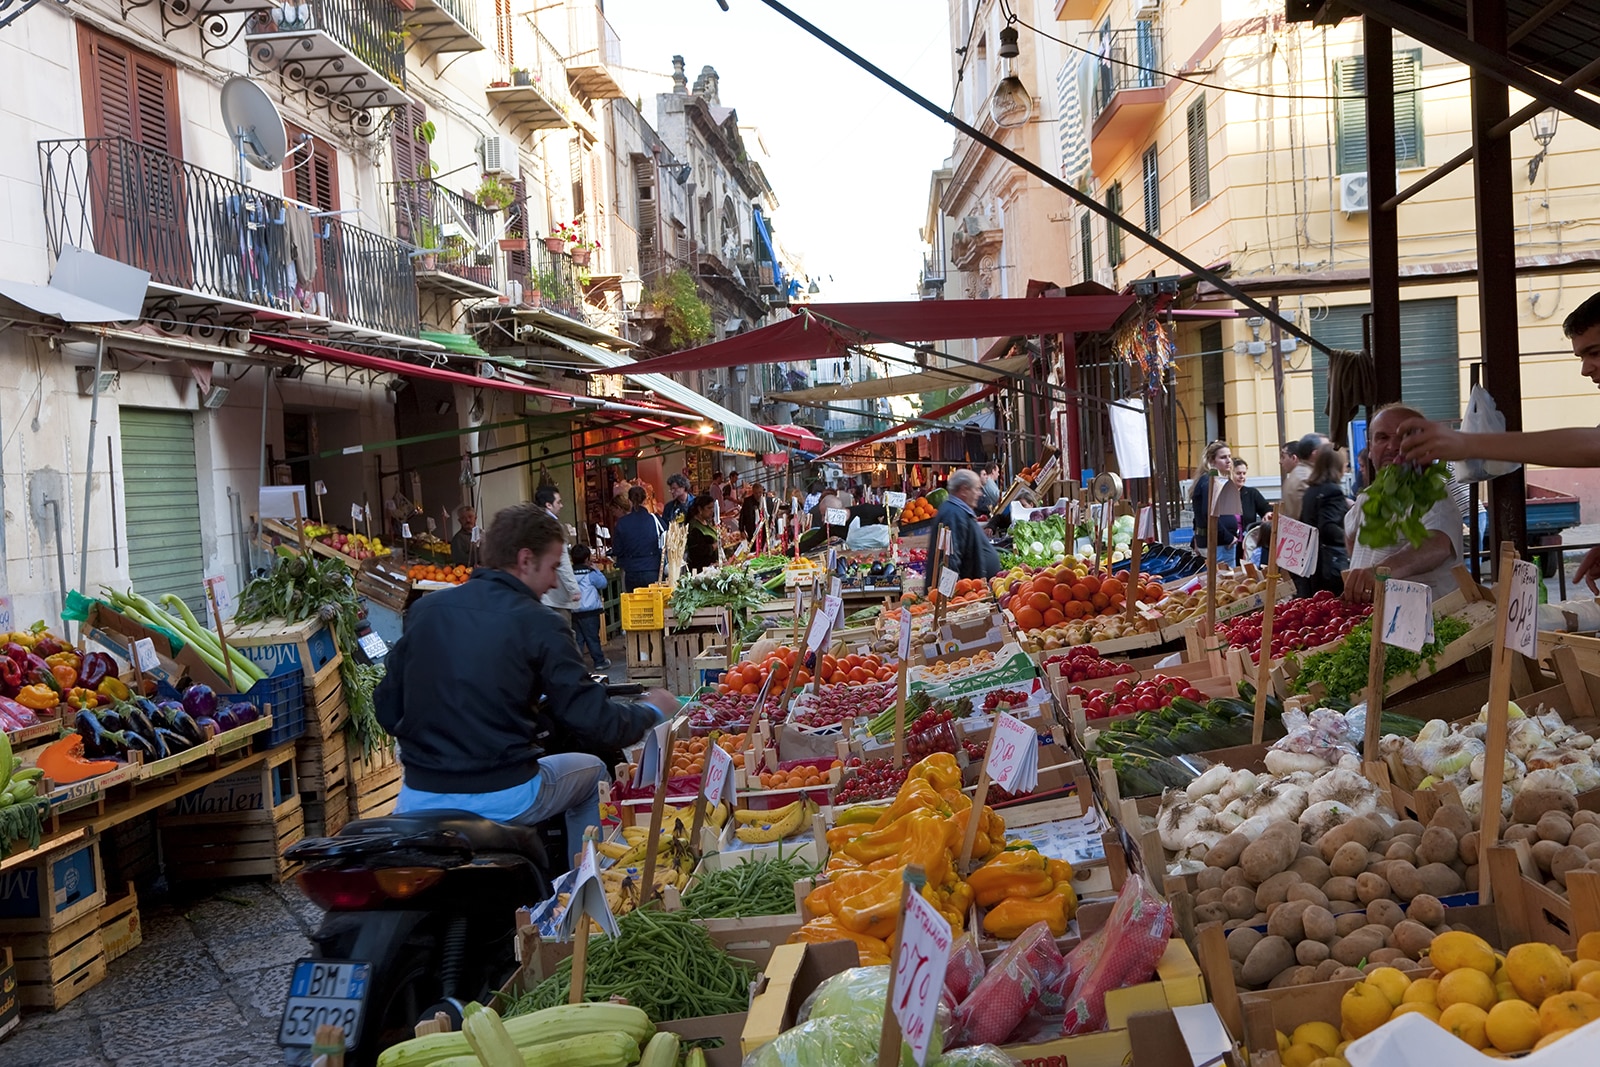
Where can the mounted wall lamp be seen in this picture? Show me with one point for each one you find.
(1011, 105)
(1543, 128)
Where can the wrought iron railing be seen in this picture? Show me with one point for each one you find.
(590, 39)
(1128, 59)
(450, 232)
(548, 279)
(196, 229)
(463, 11)
(371, 29)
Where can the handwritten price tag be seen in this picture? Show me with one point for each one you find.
(1407, 614)
(144, 654)
(588, 900)
(355, 513)
(822, 622)
(1013, 759)
(319, 488)
(1298, 545)
(944, 539)
(1145, 528)
(947, 581)
(405, 531)
(7, 615)
(834, 587)
(217, 588)
(905, 637)
(837, 517)
(1522, 620)
(719, 774)
(920, 962)
(892, 499)
(655, 743)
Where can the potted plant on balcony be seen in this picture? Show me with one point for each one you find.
(425, 235)
(520, 76)
(555, 243)
(482, 269)
(583, 251)
(495, 193)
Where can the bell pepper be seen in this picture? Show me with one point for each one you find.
(38, 697)
(915, 793)
(874, 952)
(939, 769)
(62, 761)
(1008, 918)
(10, 676)
(113, 687)
(83, 698)
(840, 836)
(1011, 874)
(19, 638)
(1060, 870)
(69, 657)
(867, 911)
(876, 844)
(96, 666)
(924, 846)
(48, 644)
(66, 677)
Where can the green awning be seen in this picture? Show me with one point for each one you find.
(457, 344)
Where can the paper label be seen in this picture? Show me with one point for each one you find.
(373, 646)
(655, 743)
(1013, 758)
(947, 581)
(892, 499)
(7, 615)
(817, 635)
(405, 531)
(832, 607)
(603, 533)
(1145, 528)
(144, 654)
(1407, 613)
(1522, 614)
(835, 586)
(366, 514)
(719, 773)
(217, 589)
(1298, 545)
(319, 488)
(836, 517)
(477, 534)
(905, 637)
(920, 962)
(350, 450)
(944, 539)
(588, 900)
(355, 513)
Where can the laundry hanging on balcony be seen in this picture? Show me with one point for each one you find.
(302, 227)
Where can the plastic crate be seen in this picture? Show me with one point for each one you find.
(286, 693)
(644, 609)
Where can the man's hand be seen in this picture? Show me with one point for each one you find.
(1358, 584)
(1589, 570)
(662, 701)
(1422, 441)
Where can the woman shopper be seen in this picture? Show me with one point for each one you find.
(700, 550)
(1324, 506)
(1253, 510)
(1218, 462)
(637, 544)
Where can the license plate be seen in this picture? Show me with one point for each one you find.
(332, 992)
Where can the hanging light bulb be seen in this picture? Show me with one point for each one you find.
(1011, 105)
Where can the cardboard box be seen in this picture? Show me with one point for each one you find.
(792, 974)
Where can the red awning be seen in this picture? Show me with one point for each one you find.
(797, 437)
(329, 354)
(820, 330)
(937, 413)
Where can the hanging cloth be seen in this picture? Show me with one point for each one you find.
(1352, 385)
(303, 243)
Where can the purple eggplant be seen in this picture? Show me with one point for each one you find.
(174, 741)
(111, 719)
(209, 727)
(226, 719)
(132, 742)
(199, 701)
(245, 711)
(96, 742)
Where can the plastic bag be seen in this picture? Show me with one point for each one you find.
(966, 967)
(1122, 953)
(1009, 991)
(1482, 416)
(841, 993)
(839, 1025)
(861, 538)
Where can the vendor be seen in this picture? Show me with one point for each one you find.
(1325, 506)
(869, 513)
(970, 555)
(464, 546)
(990, 497)
(700, 550)
(1430, 562)
(750, 512)
(678, 491)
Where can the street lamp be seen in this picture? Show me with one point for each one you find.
(1011, 105)
(632, 288)
(1543, 128)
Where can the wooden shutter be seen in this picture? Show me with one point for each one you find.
(1086, 243)
(1350, 84)
(1114, 232)
(313, 181)
(128, 93)
(502, 30)
(1408, 108)
(575, 174)
(1199, 154)
(1152, 190)
(1430, 372)
(410, 152)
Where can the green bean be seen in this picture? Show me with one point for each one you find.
(760, 887)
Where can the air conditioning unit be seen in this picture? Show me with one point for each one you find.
(1353, 194)
(1143, 9)
(1106, 277)
(500, 157)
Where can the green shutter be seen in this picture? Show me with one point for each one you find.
(1350, 83)
(1086, 245)
(1199, 154)
(1430, 366)
(1408, 108)
(161, 499)
(1113, 231)
(1152, 190)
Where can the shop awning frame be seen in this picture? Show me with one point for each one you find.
(908, 384)
(938, 413)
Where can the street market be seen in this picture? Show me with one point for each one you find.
(711, 673)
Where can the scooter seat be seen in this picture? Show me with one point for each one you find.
(484, 835)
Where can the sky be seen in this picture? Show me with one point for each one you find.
(849, 158)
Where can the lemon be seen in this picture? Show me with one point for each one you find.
(1466, 985)
(1363, 1009)
(1391, 982)
(1422, 991)
(1513, 1026)
(1537, 970)
(1550, 1039)
(1466, 1021)
(1568, 1011)
(1416, 1007)
(1320, 1034)
(1589, 946)
(1301, 1055)
(1457, 949)
(1590, 984)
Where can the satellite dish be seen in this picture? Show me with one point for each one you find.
(253, 123)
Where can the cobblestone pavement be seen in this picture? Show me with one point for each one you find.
(204, 989)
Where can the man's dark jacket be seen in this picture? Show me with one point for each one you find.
(970, 554)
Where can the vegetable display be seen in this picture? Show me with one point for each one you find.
(181, 621)
(1130, 698)
(20, 810)
(864, 780)
(1083, 663)
(1296, 624)
(725, 587)
(1037, 544)
(835, 704)
(1342, 671)
(585, 1035)
(758, 887)
(1396, 501)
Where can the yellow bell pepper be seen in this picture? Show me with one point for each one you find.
(1019, 873)
(113, 688)
(872, 950)
(38, 697)
(1060, 870)
(876, 844)
(1010, 917)
(939, 769)
(65, 659)
(914, 794)
(868, 911)
(925, 846)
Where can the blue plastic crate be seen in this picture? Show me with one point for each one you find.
(287, 695)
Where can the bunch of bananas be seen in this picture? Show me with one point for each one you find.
(763, 827)
(675, 861)
(17, 784)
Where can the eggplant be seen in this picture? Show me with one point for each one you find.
(132, 742)
(111, 719)
(174, 741)
(226, 719)
(96, 742)
(138, 721)
(199, 701)
(185, 726)
(245, 711)
(209, 727)
(146, 705)
(158, 747)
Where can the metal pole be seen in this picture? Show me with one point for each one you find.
(266, 389)
(88, 467)
(1383, 227)
(1277, 377)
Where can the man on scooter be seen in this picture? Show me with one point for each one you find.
(464, 678)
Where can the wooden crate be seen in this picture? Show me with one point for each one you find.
(645, 649)
(278, 646)
(128, 852)
(326, 709)
(52, 889)
(374, 783)
(327, 816)
(322, 764)
(120, 930)
(54, 968)
(204, 848)
(10, 1005)
(682, 649)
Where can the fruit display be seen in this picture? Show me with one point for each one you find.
(1083, 663)
(1056, 595)
(430, 572)
(745, 679)
(967, 591)
(835, 704)
(866, 780)
(356, 546)
(1130, 698)
(799, 774)
(855, 669)
(1342, 671)
(717, 710)
(997, 701)
(917, 510)
(765, 827)
(961, 667)
(1296, 625)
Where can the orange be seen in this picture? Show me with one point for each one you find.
(1029, 619)
(1091, 583)
(1061, 593)
(1040, 602)
(1054, 616)
(1111, 587)
(1080, 592)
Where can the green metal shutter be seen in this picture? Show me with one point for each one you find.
(162, 503)
(1350, 83)
(1430, 367)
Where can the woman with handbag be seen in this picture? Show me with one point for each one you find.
(1324, 506)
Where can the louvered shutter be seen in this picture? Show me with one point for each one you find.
(1086, 245)
(314, 181)
(1350, 83)
(1199, 154)
(519, 265)
(1152, 190)
(1114, 232)
(1407, 109)
(1430, 367)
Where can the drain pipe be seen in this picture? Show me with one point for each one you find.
(88, 474)
(61, 559)
(238, 546)
(266, 389)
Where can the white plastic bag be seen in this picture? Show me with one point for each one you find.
(861, 538)
(1482, 416)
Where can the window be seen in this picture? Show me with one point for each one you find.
(1113, 231)
(1199, 154)
(1350, 82)
(128, 93)
(1086, 245)
(502, 30)
(314, 181)
(1152, 190)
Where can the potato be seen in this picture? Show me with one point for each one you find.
(1343, 907)
(1285, 921)
(1362, 830)
(1584, 835)
(1238, 973)
(1310, 953)
(1209, 878)
(1425, 909)
(1208, 896)
(1348, 923)
(1345, 972)
(1406, 827)
(1452, 817)
(1439, 845)
(1211, 913)
(1241, 941)
(1554, 826)
(1292, 977)
(1275, 890)
(1370, 887)
(1319, 924)
(1225, 853)
(1592, 851)
(1568, 859)
(1233, 924)
(1349, 861)
(1305, 849)
(1586, 818)
(1385, 913)
(1240, 902)
(1531, 804)
(1520, 832)
(1411, 841)
(1545, 851)
(1269, 958)
(1340, 887)
(1404, 880)
(1271, 853)
(1359, 944)
(1309, 893)
(1412, 938)
(1468, 852)
(1235, 876)
(1593, 865)
(1438, 880)
(1314, 871)
(1469, 878)
(1381, 868)
(1326, 968)
(1385, 957)
(1399, 850)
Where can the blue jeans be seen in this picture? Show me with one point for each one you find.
(586, 628)
(568, 782)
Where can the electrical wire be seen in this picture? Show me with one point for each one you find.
(965, 51)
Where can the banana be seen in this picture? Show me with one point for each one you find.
(634, 834)
(613, 849)
(748, 818)
(778, 829)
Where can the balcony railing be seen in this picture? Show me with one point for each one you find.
(370, 30)
(197, 230)
(547, 280)
(454, 235)
(1129, 59)
(532, 91)
(594, 51)
(439, 26)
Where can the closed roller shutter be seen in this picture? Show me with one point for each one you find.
(162, 502)
(1430, 367)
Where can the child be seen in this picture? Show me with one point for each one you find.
(586, 616)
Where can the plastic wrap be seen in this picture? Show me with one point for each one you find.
(843, 993)
(1010, 989)
(1122, 953)
(966, 967)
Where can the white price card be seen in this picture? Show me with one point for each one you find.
(603, 533)
(837, 517)
(944, 539)
(477, 534)
(1407, 614)
(588, 900)
(1145, 528)
(719, 774)
(144, 654)
(7, 615)
(799, 608)
(947, 581)
(892, 499)
(817, 636)
(1013, 759)
(217, 588)
(649, 769)
(355, 513)
(920, 962)
(1522, 615)
(833, 560)
(1298, 545)
(905, 636)
(405, 531)
(373, 646)
(366, 514)
(319, 488)
(835, 586)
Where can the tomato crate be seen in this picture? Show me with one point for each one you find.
(322, 763)
(52, 889)
(54, 968)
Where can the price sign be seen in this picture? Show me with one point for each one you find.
(405, 531)
(798, 608)
(719, 774)
(1522, 620)
(1013, 758)
(477, 534)
(944, 539)
(905, 637)
(7, 615)
(603, 533)
(947, 581)
(1408, 614)
(834, 586)
(1298, 545)
(355, 513)
(837, 517)
(144, 654)
(588, 899)
(892, 499)
(366, 513)
(920, 962)
(1145, 528)
(319, 488)
(817, 636)
(217, 589)
(655, 743)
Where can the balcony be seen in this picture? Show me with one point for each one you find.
(594, 53)
(534, 97)
(1129, 90)
(458, 255)
(221, 253)
(348, 52)
(439, 26)
(933, 279)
